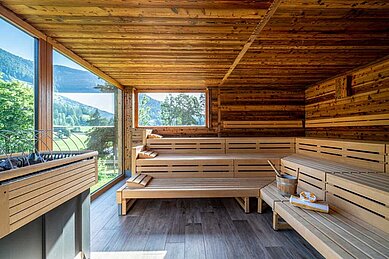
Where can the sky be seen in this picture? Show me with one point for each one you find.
(21, 44)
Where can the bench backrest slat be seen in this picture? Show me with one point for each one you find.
(187, 145)
(357, 153)
(364, 195)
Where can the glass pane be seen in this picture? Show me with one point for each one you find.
(171, 109)
(17, 84)
(87, 116)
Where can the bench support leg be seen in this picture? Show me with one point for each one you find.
(125, 206)
(277, 225)
(244, 202)
(261, 205)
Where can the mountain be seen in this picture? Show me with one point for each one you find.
(155, 108)
(13, 67)
(67, 112)
(66, 79)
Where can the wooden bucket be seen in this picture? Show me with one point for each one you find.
(287, 184)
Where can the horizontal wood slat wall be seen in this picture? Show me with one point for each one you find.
(361, 115)
(263, 107)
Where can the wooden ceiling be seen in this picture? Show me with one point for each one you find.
(151, 44)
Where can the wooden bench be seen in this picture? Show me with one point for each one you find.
(193, 188)
(213, 157)
(313, 172)
(270, 195)
(358, 223)
(209, 165)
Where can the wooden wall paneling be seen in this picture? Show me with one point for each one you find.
(362, 115)
(256, 111)
(45, 96)
(342, 87)
(128, 97)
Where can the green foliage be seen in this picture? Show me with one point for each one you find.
(183, 109)
(16, 113)
(101, 139)
(144, 116)
(71, 113)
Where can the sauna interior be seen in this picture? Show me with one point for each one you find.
(194, 129)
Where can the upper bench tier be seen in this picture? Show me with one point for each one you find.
(222, 145)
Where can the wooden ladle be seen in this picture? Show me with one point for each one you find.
(274, 168)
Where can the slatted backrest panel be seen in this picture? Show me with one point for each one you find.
(187, 145)
(254, 167)
(32, 196)
(364, 195)
(362, 154)
(309, 179)
(139, 136)
(186, 168)
(260, 145)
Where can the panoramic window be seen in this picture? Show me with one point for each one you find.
(171, 109)
(17, 88)
(87, 116)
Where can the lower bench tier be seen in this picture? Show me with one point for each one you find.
(193, 188)
(209, 165)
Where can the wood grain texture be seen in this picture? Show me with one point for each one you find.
(193, 44)
(362, 115)
(308, 41)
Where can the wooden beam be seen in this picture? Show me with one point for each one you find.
(17, 21)
(270, 12)
(45, 96)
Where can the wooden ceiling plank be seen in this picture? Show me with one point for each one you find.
(271, 11)
(159, 12)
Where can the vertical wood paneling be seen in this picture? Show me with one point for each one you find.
(369, 95)
(45, 96)
(128, 95)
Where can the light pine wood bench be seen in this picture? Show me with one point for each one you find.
(193, 188)
(270, 195)
(358, 223)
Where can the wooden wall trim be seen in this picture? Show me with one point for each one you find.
(262, 124)
(257, 30)
(16, 20)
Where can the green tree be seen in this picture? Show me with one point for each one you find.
(183, 109)
(16, 113)
(144, 109)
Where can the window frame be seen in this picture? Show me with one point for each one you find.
(136, 108)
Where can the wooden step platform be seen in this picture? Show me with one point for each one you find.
(193, 188)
